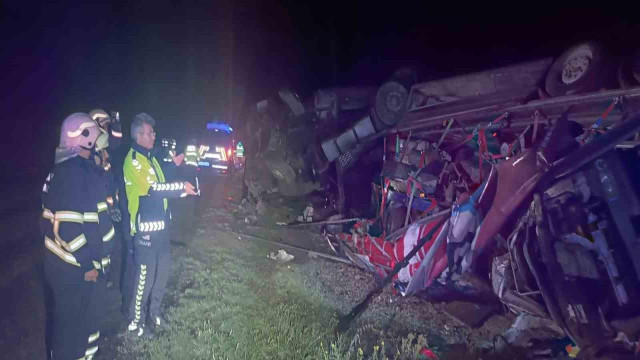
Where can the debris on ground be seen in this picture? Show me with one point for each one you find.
(281, 256)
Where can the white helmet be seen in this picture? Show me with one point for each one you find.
(100, 116)
(79, 131)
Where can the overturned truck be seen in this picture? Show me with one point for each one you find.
(534, 166)
(298, 148)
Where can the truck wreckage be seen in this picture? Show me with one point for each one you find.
(527, 173)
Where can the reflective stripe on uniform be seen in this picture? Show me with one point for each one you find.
(47, 214)
(94, 337)
(91, 217)
(151, 226)
(74, 244)
(70, 216)
(168, 186)
(56, 249)
(139, 293)
(91, 351)
(105, 262)
(102, 206)
(109, 235)
(96, 265)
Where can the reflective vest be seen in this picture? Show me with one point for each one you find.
(191, 157)
(147, 191)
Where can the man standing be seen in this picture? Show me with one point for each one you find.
(71, 204)
(108, 142)
(147, 194)
(187, 216)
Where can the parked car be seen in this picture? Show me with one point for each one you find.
(216, 150)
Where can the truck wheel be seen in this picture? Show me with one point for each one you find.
(392, 100)
(580, 69)
(281, 170)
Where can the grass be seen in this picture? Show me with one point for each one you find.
(234, 304)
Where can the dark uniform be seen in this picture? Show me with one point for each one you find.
(147, 194)
(114, 187)
(104, 183)
(75, 241)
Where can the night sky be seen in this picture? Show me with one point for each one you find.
(188, 64)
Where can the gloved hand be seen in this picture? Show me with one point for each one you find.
(115, 214)
(116, 125)
(115, 117)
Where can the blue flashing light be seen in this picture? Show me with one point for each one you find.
(219, 127)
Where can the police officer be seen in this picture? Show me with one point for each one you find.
(73, 239)
(147, 194)
(187, 216)
(191, 154)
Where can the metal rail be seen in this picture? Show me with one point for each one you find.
(428, 118)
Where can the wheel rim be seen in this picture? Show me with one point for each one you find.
(576, 65)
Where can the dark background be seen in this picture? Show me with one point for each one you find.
(192, 62)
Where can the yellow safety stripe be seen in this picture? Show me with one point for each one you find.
(109, 235)
(94, 337)
(106, 261)
(191, 163)
(70, 216)
(91, 217)
(74, 244)
(102, 206)
(47, 214)
(91, 351)
(96, 265)
(56, 249)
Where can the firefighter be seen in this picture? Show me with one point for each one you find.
(186, 216)
(112, 157)
(147, 194)
(108, 141)
(71, 205)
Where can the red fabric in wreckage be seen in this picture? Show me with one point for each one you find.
(385, 253)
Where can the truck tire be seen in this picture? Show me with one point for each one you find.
(582, 68)
(280, 169)
(391, 103)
